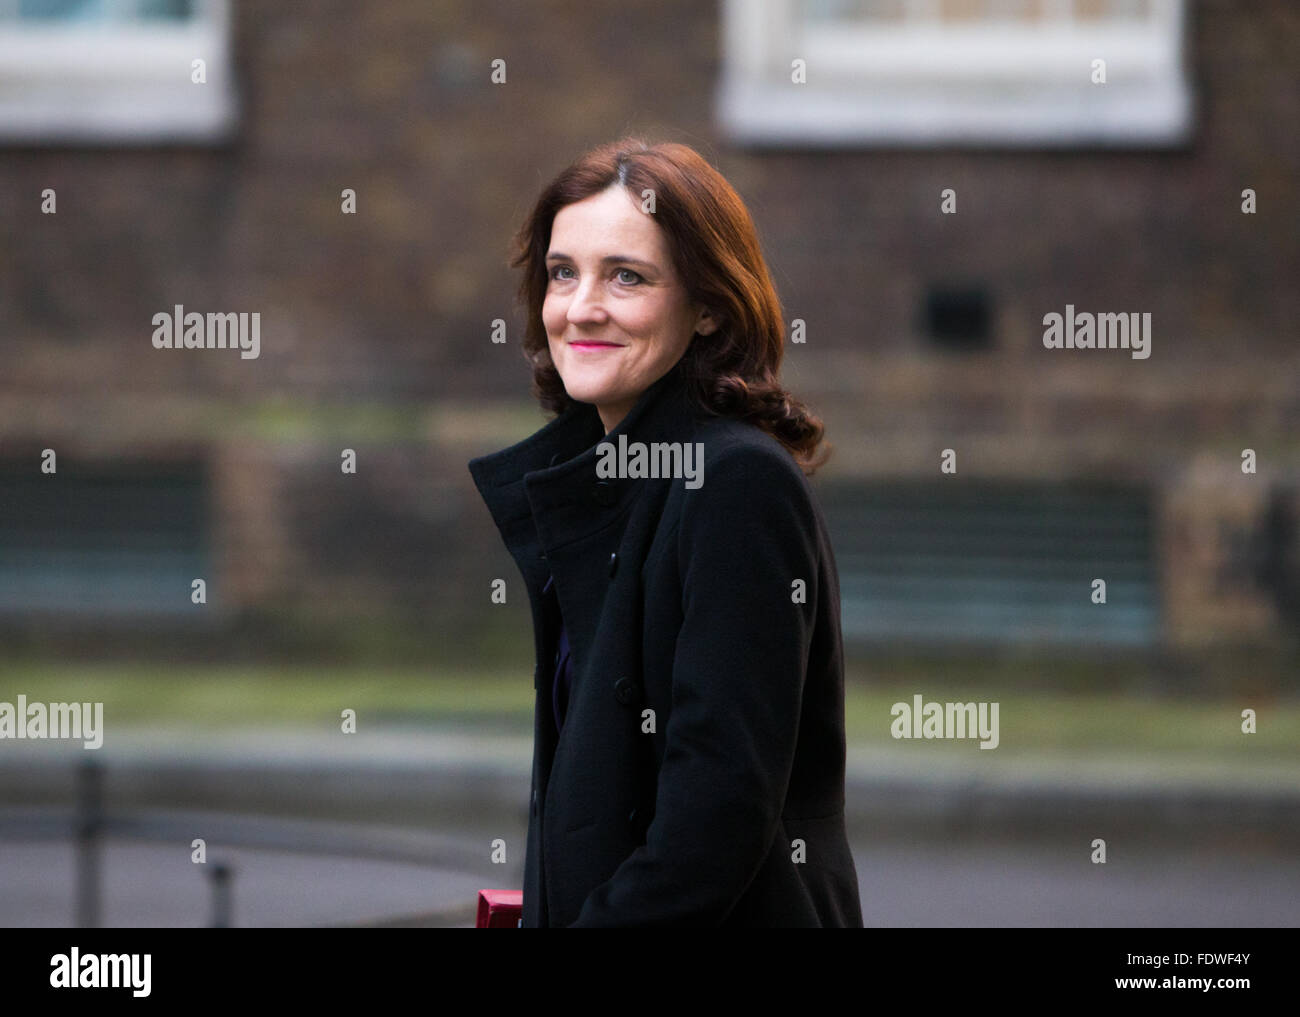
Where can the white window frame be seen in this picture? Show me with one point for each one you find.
(117, 82)
(923, 81)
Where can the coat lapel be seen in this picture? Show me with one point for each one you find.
(544, 495)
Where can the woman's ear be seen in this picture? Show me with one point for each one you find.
(705, 324)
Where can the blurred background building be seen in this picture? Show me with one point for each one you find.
(922, 329)
(929, 178)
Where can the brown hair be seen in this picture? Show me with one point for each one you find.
(714, 246)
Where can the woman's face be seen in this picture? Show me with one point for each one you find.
(616, 315)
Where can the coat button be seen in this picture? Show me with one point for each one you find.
(626, 690)
(613, 563)
(554, 459)
(534, 801)
(603, 493)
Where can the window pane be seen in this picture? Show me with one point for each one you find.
(993, 563)
(63, 10)
(113, 538)
(967, 11)
(174, 10)
(852, 10)
(102, 10)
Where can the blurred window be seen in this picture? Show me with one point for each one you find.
(114, 71)
(103, 540)
(943, 72)
(994, 564)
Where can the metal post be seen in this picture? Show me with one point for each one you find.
(89, 823)
(221, 895)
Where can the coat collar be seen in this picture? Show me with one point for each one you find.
(544, 490)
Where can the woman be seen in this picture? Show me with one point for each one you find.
(688, 762)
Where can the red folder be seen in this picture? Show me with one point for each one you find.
(499, 909)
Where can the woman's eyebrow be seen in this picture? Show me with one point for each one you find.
(608, 260)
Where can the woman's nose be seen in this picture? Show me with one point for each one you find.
(586, 303)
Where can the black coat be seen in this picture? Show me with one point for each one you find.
(682, 602)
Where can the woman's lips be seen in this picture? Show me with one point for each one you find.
(595, 346)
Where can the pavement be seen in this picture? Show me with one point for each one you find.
(420, 776)
(401, 826)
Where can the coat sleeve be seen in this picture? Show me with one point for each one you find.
(746, 534)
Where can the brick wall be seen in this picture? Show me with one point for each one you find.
(375, 326)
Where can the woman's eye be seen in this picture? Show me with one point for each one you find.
(625, 275)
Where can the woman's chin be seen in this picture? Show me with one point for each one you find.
(584, 390)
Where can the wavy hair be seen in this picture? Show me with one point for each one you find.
(733, 371)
